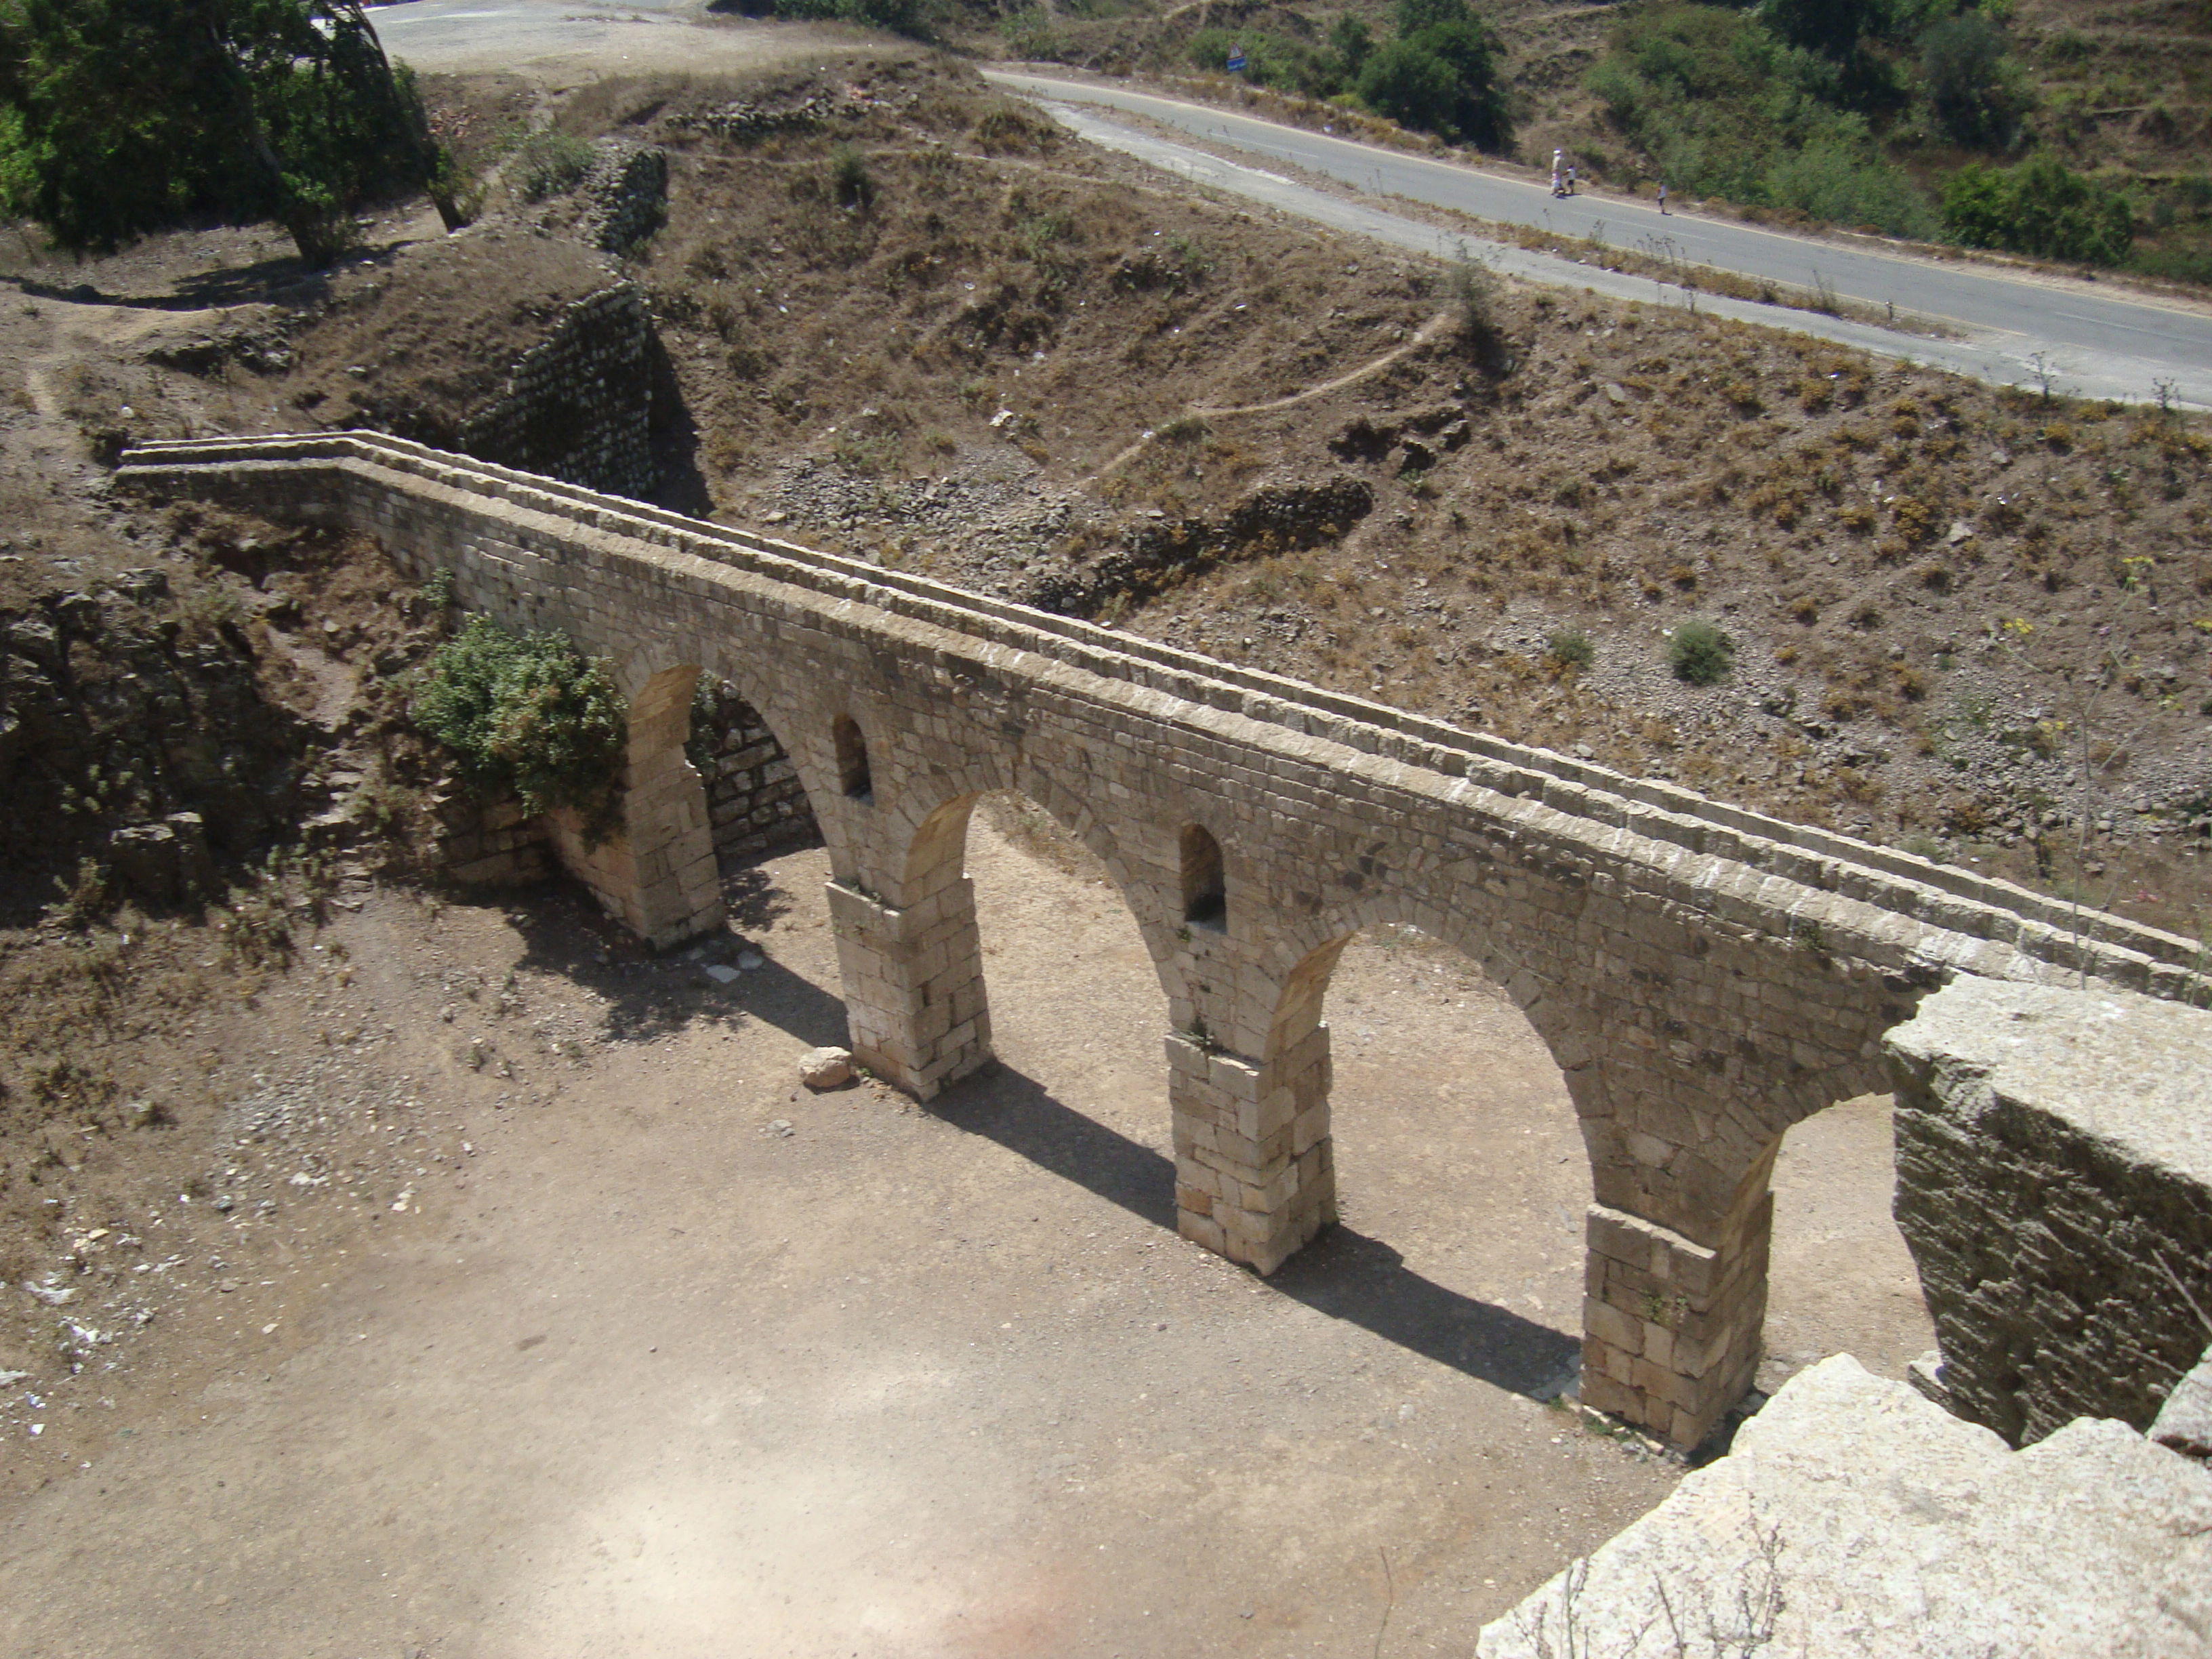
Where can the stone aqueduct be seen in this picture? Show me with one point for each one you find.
(1705, 977)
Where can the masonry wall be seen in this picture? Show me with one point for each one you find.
(2054, 1180)
(487, 843)
(579, 404)
(754, 797)
(754, 800)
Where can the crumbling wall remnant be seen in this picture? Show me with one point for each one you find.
(2054, 1180)
(578, 405)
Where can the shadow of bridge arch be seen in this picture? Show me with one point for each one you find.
(1344, 1274)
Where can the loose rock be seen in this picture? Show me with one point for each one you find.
(825, 1069)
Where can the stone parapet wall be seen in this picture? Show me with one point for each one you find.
(2054, 1180)
(1851, 871)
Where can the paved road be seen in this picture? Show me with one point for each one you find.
(564, 41)
(2098, 343)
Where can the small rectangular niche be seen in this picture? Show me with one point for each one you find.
(1205, 897)
(852, 760)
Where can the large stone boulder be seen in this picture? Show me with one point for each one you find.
(2185, 1422)
(1856, 1520)
(826, 1068)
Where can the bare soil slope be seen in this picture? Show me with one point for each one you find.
(986, 354)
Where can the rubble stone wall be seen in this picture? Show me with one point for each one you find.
(2054, 1180)
(754, 797)
(1704, 976)
(579, 404)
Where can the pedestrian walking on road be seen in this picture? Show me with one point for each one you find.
(1570, 179)
(1558, 161)
(1663, 196)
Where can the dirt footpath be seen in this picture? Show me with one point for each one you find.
(663, 1357)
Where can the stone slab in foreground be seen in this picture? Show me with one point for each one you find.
(1856, 1520)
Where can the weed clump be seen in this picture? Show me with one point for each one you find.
(1570, 650)
(849, 178)
(525, 714)
(1473, 291)
(548, 163)
(1700, 654)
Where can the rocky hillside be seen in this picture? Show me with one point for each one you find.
(904, 318)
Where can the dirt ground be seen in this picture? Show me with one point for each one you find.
(570, 1325)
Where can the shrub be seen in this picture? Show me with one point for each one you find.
(1570, 648)
(1273, 60)
(1699, 653)
(899, 16)
(525, 714)
(1440, 78)
(2037, 207)
(1473, 290)
(548, 163)
(1352, 42)
(849, 178)
(1722, 107)
(1833, 179)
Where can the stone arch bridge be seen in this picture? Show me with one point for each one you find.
(1705, 976)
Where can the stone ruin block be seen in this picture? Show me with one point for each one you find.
(1854, 1517)
(2054, 1181)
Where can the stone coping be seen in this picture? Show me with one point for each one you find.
(1939, 895)
(2133, 1074)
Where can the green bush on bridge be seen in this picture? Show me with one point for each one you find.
(526, 714)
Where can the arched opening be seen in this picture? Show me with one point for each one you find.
(1461, 1179)
(1205, 890)
(756, 803)
(1840, 1279)
(1077, 1011)
(853, 776)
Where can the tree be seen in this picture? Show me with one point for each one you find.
(1350, 37)
(125, 116)
(1832, 27)
(1410, 85)
(1414, 15)
(1971, 94)
(1440, 75)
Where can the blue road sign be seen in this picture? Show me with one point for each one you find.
(1235, 59)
